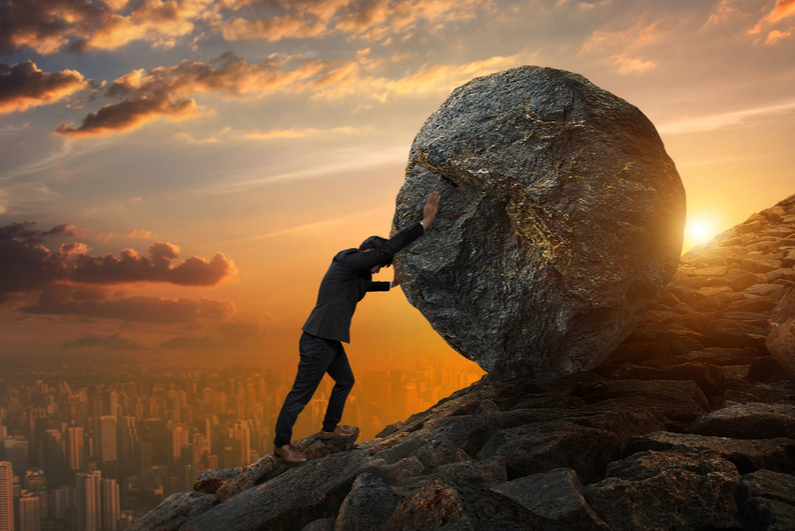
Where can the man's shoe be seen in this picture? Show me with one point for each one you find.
(338, 433)
(290, 454)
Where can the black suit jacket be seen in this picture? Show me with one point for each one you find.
(347, 281)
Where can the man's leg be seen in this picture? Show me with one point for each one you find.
(315, 358)
(340, 370)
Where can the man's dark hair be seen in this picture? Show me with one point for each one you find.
(371, 243)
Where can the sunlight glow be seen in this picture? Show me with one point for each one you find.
(700, 230)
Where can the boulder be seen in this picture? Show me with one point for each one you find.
(748, 455)
(175, 511)
(305, 493)
(657, 491)
(556, 495)
(446, 506)
(781, 340)
(560, 223)
(545, 446)
(749, 421)
(766, 501)
(369, 504)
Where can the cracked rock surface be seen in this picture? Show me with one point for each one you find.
(560, 224)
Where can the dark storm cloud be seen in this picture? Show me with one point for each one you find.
(26, 265)
(23, 86)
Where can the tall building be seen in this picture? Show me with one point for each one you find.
(36, 423)
(29, 512)
(110, 404)
(178, 436)
(64, 504)
(6, 496)
(36, 484)
(110, 504)
(105, 448)
(17, 454)
(74, 447)
(89, 507)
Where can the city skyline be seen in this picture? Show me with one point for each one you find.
(93, 450)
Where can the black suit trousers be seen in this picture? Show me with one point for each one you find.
(318, 357)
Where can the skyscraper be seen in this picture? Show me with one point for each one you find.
(110, 504)
(89, 507)
(6, 497)
(105, 438)
(74, 447)
(29, 512)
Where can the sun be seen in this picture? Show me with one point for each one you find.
(700, 230)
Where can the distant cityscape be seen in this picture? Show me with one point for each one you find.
(93, 446)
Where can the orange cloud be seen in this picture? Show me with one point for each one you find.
(139, 233)
(23, 86)
(163, 91)
(49, 26)
(776, 35)
(782, 9)
(130, 114)
(129, 267)
(27, 266)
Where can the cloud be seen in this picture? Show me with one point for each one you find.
(130, 114)
(163, 91)
(234, 335)
(303, 133)
(623, 47)
(131, 268)
(167, 91)
(137, 233)
(716, 121)
(49, 26)
(776, 35)
(137, 309)
(23, 86)
(112, 342)
(782, 9)
(28, 266)
(373, 20)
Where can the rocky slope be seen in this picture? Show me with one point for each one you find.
(688, 425)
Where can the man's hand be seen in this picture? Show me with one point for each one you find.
(398, 276)
(429, 211)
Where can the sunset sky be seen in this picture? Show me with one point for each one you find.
(175, 176)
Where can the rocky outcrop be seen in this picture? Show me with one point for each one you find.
(561, 221)
(781, 340)
(685, 426)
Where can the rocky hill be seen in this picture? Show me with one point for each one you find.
(688, 425)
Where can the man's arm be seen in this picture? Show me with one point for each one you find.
(366, 260)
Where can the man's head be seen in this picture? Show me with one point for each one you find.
(371, 243)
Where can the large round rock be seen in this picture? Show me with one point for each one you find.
(560, 223)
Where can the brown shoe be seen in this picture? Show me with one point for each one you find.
(290, 454)
(338, 433)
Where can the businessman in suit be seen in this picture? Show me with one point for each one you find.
(348, 279)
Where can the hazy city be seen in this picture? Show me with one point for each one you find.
(90, 446)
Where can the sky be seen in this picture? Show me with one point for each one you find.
(176, 175)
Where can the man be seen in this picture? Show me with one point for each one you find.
(348, 279)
